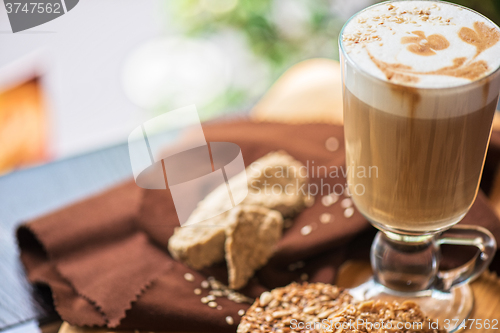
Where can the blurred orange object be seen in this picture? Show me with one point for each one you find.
(23, 126)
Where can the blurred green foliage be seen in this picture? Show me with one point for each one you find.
(259, 20)
(275, 33)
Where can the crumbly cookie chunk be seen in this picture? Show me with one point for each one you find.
(282, 171)
(202, 244)
(250, 241)
(284, 308)
(198, 245)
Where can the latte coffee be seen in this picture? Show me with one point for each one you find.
(421, 82)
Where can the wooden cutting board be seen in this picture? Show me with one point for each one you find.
(311, 91)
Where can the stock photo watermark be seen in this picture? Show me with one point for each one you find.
(338, 324)
(170, 152)
(332, 325)
(24, 14)
(268, 178)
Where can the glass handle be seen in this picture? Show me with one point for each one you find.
(471, 236)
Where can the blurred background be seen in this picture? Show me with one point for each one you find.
(85, 80)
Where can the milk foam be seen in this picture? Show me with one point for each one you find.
(426, 16)
(416, 44)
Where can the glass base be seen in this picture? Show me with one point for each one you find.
(449, 309)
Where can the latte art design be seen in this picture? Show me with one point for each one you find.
(481, 37)
(425, 46)
(423, 43)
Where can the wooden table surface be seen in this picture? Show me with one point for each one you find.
(310, 91)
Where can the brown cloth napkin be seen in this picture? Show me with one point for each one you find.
(106, 262)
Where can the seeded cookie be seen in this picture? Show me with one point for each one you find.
(282, 309)
(381, 317)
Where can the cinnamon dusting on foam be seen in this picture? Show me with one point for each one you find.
(371, 28)
(425, 46)
(462, 69)
(405, 74)
(367, 33)
(481, 37)
(393, 72)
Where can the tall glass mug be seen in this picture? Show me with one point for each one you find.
(422, 151)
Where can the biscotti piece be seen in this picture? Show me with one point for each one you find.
(278, 181)
(381, 317)
(250, 241)
(279, 309)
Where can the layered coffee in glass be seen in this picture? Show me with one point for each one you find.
(421, 82)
